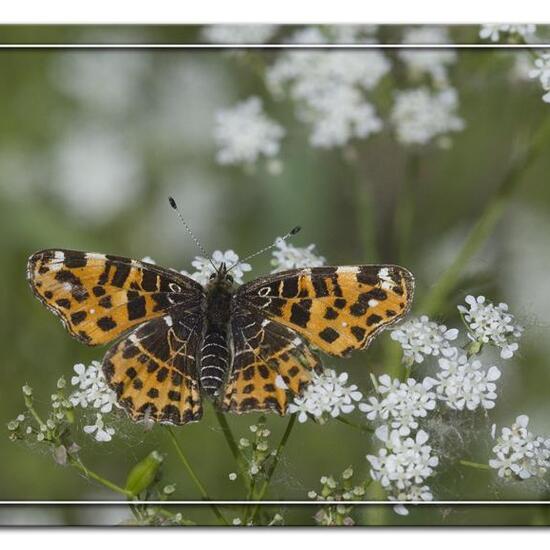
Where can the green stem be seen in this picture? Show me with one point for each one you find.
(75, 463)
(475, 465)
(404, 214)
(485, 223)
(354, 425)
(193, 476)
(276, 458)
(366, 221)
(233, 447)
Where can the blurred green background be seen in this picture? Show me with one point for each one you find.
(93, 142)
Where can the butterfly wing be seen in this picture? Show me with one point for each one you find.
(153, 369)
(337, 309)
(269, 361)
(98, 297)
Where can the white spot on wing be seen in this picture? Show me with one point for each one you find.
(59, 258)
(92, 311)
(95, 256)
(265, 322)
(373, 302)
(296, 342)
(280, 383)
(168, 320)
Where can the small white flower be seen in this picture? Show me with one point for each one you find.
(420, 337)
(339, 114)
(465, 384)
(403, 464)
(423, 61)
(492, 324)
(287, 256)
(101, 432)
(520, 454)
(232, 476)
(542, 73)
(243, 133)
(238, 34)
(492, 32)
(205, 268)
(92, 388)
(326, 395)
(402, 403)
(329, 90)
(419, 116)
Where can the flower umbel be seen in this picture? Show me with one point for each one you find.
(288, 256)
(92, 388)
(520, 454)
(244, 133)
(492, 324)
(466, 384)
(420, 337)
(542, 73)
(403, 465)
(420, 116)
(401, 404)
(205, 268)
(327, 395)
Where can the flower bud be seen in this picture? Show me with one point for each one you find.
(143, 474)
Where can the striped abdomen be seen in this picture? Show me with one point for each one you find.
(214, 360)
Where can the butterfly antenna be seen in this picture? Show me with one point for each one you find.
(291, 233)
(191, 234)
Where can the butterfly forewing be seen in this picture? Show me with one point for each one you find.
(337, 309)
(98, 297)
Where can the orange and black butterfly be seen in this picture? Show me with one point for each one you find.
(249, 348)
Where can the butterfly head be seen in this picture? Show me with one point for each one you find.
(221, 277)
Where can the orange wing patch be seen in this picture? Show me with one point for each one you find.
(99, 297)
(153, 373)
(338, 309)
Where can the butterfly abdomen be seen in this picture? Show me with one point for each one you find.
(214, 362)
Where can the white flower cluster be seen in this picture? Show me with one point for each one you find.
(288, 256)
(238, 34)
(329, 87)
(488, 323)
(327, 394)
(432, 62)
(542, 72)
(493, 31)
(205, 268)
(243, 133)
(420, 337)
(403, 465)
(401, 404)
(420, 115)
(519, 453)
(93, 390)
(466, 384)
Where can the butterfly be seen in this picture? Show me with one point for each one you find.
(249, 348)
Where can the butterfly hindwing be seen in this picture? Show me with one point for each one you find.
(99, 297)
(153, 369)
(270, 361)
(337, 309)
